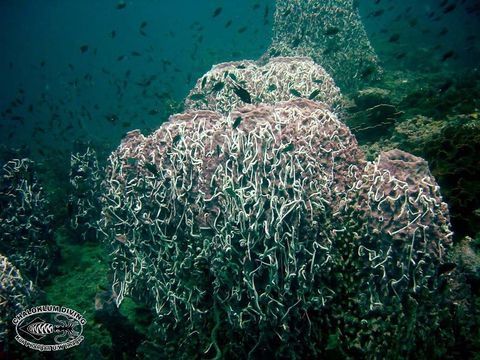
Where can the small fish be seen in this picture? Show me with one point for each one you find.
(83, 49)
(449, 8)
(295, 92)
(143, 24)
(218, 86)
(113, 34)
(121, 57)
(112, 118)
(217, 12)
(288, 148)
(445, 86)
(42, 63)
(204, 81)
(196, 97)
(443, 32)
(135, 53)
(367, 72)
(153, 112)
(233, 76)
(272, 87)
(232, 193)
(242, 29)
(121, 5)
(376, 13)
(152, 168)
(228, 23)
(256, 6)
(444, 268)
(237, 122)
(176, 139)
(447, 55)
(132, 161)
(314, 94)
(394, 38)
(333, 30)
(243, 94)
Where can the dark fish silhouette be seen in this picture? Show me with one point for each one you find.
(217, 12)
(449, 8)
(196, 97)
(314, 94)
(295, 92)
(333, 30)
(243, 94)
(447, 267)
(447, 55)
(394, 38)
(83, 49)
(218, 86)
(237, 122)
(121, 5)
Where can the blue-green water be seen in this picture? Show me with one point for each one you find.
(86, 72)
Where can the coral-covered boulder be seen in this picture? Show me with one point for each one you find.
(268, 225)
(234, 84)
(26, 232)
(16, 294)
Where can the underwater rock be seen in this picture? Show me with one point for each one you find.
(125, 338)
(413, 133)
(453, 158)
(268, 225)
(468, 259)
(331, 33)
(374, 122)
(372, 96)
(280, 79)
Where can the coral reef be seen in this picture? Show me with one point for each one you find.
(280, 79)
(84, 199)
(16, 294)
(331, 33)
(26, 235)
(453, 159)
(248, 231)
(450, 146)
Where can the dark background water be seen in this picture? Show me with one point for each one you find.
(51, 93)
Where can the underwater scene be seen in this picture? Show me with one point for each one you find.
(254, 179)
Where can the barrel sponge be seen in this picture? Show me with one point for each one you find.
(26, 235)
(16, 294)
(331, 33)
(280, 79)
(268, 224)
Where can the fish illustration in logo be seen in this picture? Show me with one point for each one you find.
(64, 328)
